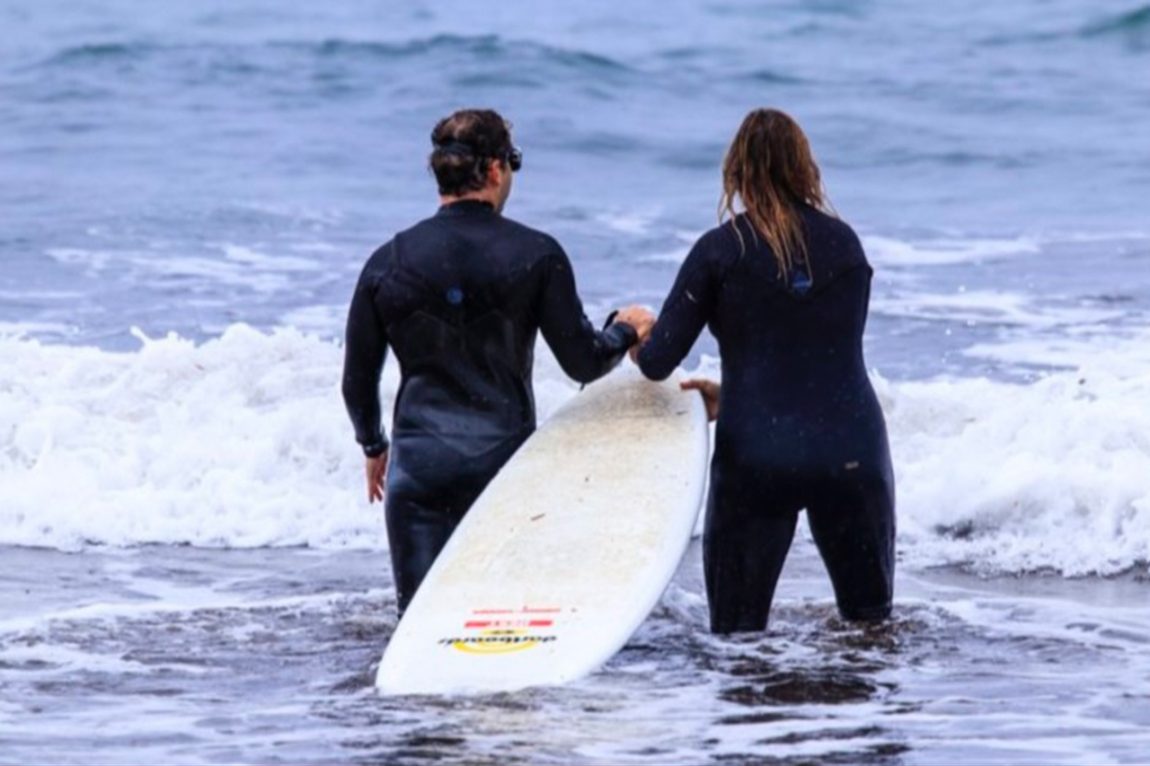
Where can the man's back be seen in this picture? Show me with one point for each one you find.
(460, 298)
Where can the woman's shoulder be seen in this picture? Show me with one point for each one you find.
(716, 247)
(729, 239)
(829, 225)
(831, 239)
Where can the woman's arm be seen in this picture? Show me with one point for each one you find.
(688, 308)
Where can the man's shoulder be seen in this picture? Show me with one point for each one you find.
(385, 253)
(380, 256)
(544, 244)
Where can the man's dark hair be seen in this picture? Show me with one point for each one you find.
(465, 144)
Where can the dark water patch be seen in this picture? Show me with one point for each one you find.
(845, 8)
(1111, 299)
(1021, 38)
(963, 530)
(799, 737)
(481, 48)
(29, 665)
(159, 691)
(180, 574)
(164, 658)
(884, 754)
(97, 53)
(1132, 26)
(772, 77)
(330, 69)
(425, 740)
(479, 45)
(359, 682)
(881, 754)
(516, 79)
(603, 143)
(1126, 637)
(957, 158)
(689, 53)
(650, 752)
(749, 665)
(803, 687)
(750, 719)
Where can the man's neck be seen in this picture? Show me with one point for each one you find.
(479, 196)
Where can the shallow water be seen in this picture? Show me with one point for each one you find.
(183, 655)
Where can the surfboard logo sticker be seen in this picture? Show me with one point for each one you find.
(503, 631)
(497, 641)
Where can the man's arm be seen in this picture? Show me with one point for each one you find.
(584, 353)
(365, 349)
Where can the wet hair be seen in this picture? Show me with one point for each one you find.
(770, 168)
(465, 144)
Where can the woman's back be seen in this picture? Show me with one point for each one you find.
(795, 389)
(784, 288)
(797, 338)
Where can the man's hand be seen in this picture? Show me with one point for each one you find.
(642, 319)
(376, 469)
(710, 391)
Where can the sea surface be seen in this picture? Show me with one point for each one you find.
(188, 570)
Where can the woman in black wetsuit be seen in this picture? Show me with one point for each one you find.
(784, 288)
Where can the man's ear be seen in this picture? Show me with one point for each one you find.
(495, 171)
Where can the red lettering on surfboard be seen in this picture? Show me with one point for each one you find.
(478, 624)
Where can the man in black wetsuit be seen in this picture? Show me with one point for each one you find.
(460, 298)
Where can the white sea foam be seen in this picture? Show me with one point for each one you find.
(890, 252)
(223, 272)
(243, 441)
(1010, 477)
(941, 252)
(263, 261)
(1127, 354)
(989, 307)
(637, 222)
(23, 329)
(324, 319)
(675, 256)
(1053, 474)
(92, 260)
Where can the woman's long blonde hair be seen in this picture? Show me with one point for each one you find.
(771, 170)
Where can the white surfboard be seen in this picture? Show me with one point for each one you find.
(567, 550)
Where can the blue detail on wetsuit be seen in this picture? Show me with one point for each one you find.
(799, 423)
(801, 281)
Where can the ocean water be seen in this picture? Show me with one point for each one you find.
(189, 571)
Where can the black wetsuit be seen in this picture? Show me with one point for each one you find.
(460, 298)
(799, 424)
